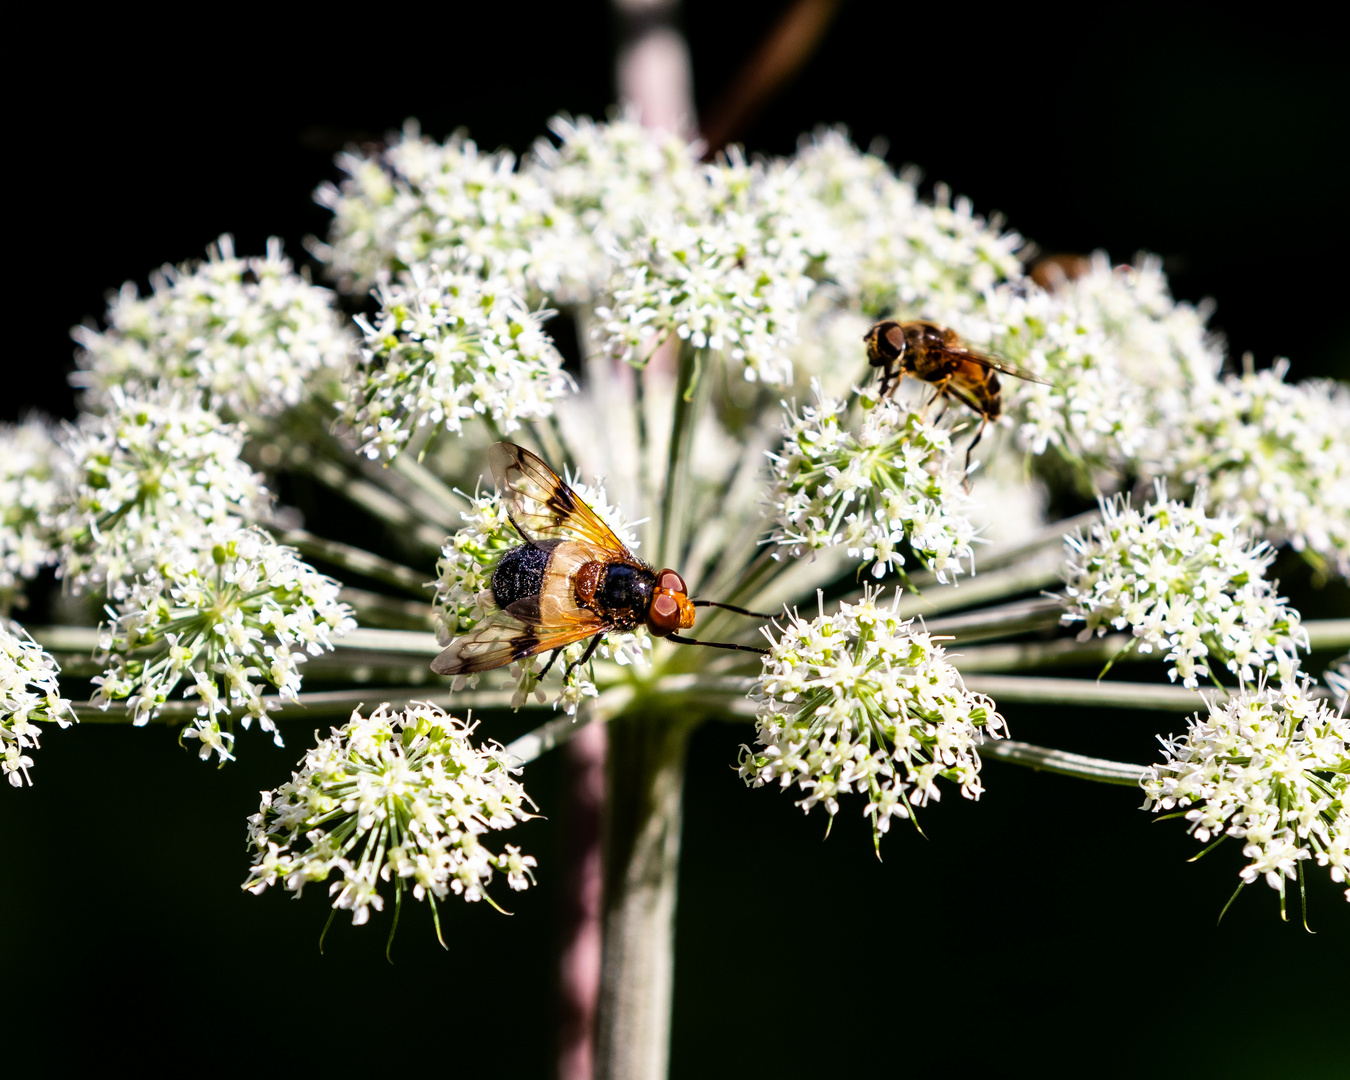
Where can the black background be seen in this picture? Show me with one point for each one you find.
(1050, 926)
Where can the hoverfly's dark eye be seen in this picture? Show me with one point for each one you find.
(668, 579)
(664, 615)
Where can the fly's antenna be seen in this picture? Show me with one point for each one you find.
(716, 644)
(732, 607)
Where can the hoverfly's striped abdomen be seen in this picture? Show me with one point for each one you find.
(521, 572)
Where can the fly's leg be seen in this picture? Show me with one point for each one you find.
(582, 658)
(984, 419)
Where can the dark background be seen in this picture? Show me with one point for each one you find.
(1049, 926)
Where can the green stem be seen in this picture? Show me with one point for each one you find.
(312, 706)
(358, 561)
(1016, 689)
(1044, 759)
(439, 501)
(643, 806)
(690, 396)
(375, 500)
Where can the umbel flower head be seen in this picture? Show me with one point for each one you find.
(28, 490)
(896, 482)
(29, 695)
(1278, 455)
(156, 470)
(1271, 768)
(224, 622)
(448, 346)
(400, 796)
(863, 701)
(1181, 580)
(249, 334)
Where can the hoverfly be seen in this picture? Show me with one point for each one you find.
(570, 579)
(937, 356)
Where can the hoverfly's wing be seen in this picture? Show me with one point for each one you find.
(523, 629)
(1001, 366)
(542, 506)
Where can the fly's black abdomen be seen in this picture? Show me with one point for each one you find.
(521, 572)
(626, 594)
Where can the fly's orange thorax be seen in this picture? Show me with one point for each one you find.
(586, 581)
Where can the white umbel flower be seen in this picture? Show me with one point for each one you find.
(446, 347)
(401, 797)
(223, 623)
(155, 471)
(423, 202)
(29, 695)
(1185, 582)
(896, 483)
(862, 701)
(1271, 768)
(28, 490)
(1278, 454)
(249, 334)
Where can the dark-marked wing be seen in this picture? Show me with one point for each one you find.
(542, 506)
(998, 365)
(505, 637)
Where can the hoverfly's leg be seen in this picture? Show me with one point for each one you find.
(582, 658)
(539, 677)
(715, 644)
(941, 389)
(521, 532)
(971, 448)
(732, 607)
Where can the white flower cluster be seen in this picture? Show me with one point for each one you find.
(401, 796)
(28, 490)
(894, 483)
(862, 701)
(224, 621)
(1185, 582)
(250, 334)
(29, 695)
(882, 246)
(446, 347)
(1123, 359)
(1268, 767)
(464, 593)
(156, 471)
(724, 269)
(1278, 454)
(422, 202)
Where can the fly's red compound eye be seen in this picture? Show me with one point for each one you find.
(668, 579)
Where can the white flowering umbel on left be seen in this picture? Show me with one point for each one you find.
(1269, 767)
(29, 695)
(157, 470)
(1185, 582)
(225, 622)
(863, 701)
(399, 796)
(251, 335)
(894, 484)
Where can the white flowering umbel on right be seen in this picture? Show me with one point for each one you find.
(1183, 581)
(1269, 767)
(863, 701)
